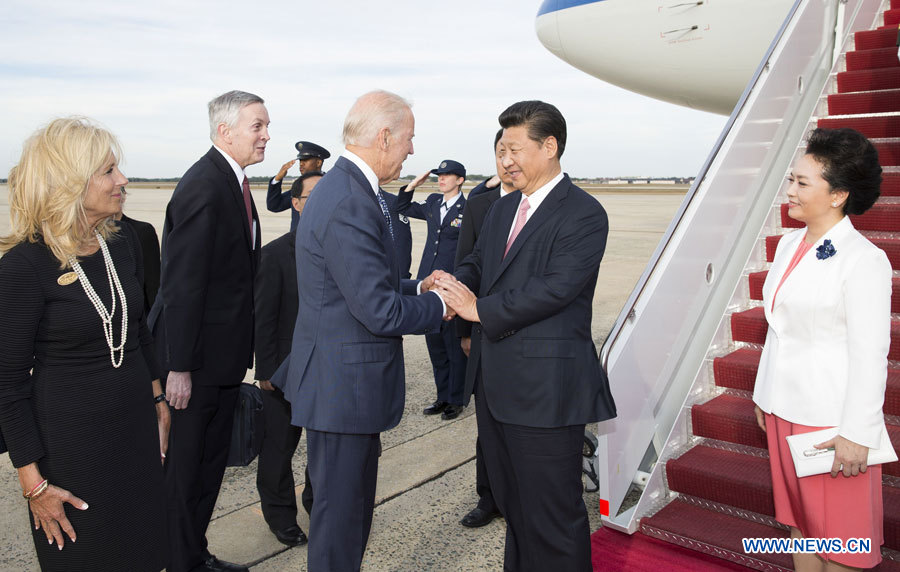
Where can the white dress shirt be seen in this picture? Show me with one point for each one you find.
(445, 206)
(534, 201)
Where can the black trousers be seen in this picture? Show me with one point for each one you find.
(448, 363)
(344, 469)
(274, 471)
(195, 464)
(535, 475)
(486, 500)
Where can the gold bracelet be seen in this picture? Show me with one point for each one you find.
(37, 491)
(34, 488)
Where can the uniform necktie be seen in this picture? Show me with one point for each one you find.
(385, 212)
(444, 209)
(246, 188)
(520, 222)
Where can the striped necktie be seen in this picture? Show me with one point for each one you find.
(385, 212)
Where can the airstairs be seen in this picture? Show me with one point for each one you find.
(683, 355)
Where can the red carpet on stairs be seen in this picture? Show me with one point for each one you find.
(613, 551)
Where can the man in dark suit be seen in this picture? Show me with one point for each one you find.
(276, 313)
(203, 317)
(443, 212)
(149, 250)
(473, 224)
(311, 158)
(534, 367)
(345, 375)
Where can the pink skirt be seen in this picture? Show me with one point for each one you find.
(824, 507)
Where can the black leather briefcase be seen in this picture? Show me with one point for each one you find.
(249, 427)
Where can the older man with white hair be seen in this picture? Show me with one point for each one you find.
(345, 377)
(202, 318)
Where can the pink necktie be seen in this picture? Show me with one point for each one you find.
(520, 222)
(246, 188)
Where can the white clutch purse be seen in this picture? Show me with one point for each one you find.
(811, 461)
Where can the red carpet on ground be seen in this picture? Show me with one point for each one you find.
(612, 551)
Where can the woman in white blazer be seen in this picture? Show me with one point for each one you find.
(827, 300)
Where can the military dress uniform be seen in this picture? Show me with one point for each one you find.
(447, 358)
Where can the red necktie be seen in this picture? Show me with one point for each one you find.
(520, 222)
(246, 188)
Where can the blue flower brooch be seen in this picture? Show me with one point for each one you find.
(825, 250)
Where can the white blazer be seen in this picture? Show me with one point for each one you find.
(825, 359)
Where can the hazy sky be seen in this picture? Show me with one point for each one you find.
(147, 69)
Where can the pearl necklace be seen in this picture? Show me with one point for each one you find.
(115, 287)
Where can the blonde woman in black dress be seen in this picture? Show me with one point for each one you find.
(79, 391)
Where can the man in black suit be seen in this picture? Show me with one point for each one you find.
(534, 367)
(473, 224)
(311, 158)
(444, 214)
(203, 317)
(276, 312)
(149, 250)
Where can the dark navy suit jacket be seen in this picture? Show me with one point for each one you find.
(345, 373)
(474, 215)
(533, 347)
(440, 245)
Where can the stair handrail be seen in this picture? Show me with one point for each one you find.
(654, 371)
(628, 308)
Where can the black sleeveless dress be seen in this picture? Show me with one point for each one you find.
(91, 427)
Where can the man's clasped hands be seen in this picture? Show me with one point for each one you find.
(459, 299)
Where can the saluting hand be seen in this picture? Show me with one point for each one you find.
(284, 169)
(418, 181)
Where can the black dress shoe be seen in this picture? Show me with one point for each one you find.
(478, 517)
(290, 535)
(213, 564)
(435, 407)
(452, 412)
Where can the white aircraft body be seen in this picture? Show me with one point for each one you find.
(696, 53)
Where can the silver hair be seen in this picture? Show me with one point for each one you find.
(226, 108)
(371, 113)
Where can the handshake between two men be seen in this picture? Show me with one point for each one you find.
(459, 299)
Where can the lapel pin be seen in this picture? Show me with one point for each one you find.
(67, 278)
(825, 250)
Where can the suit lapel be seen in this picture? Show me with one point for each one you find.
(810, 267)
(545, 211)
(236, 192)
(496, 235)
(390, 249)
